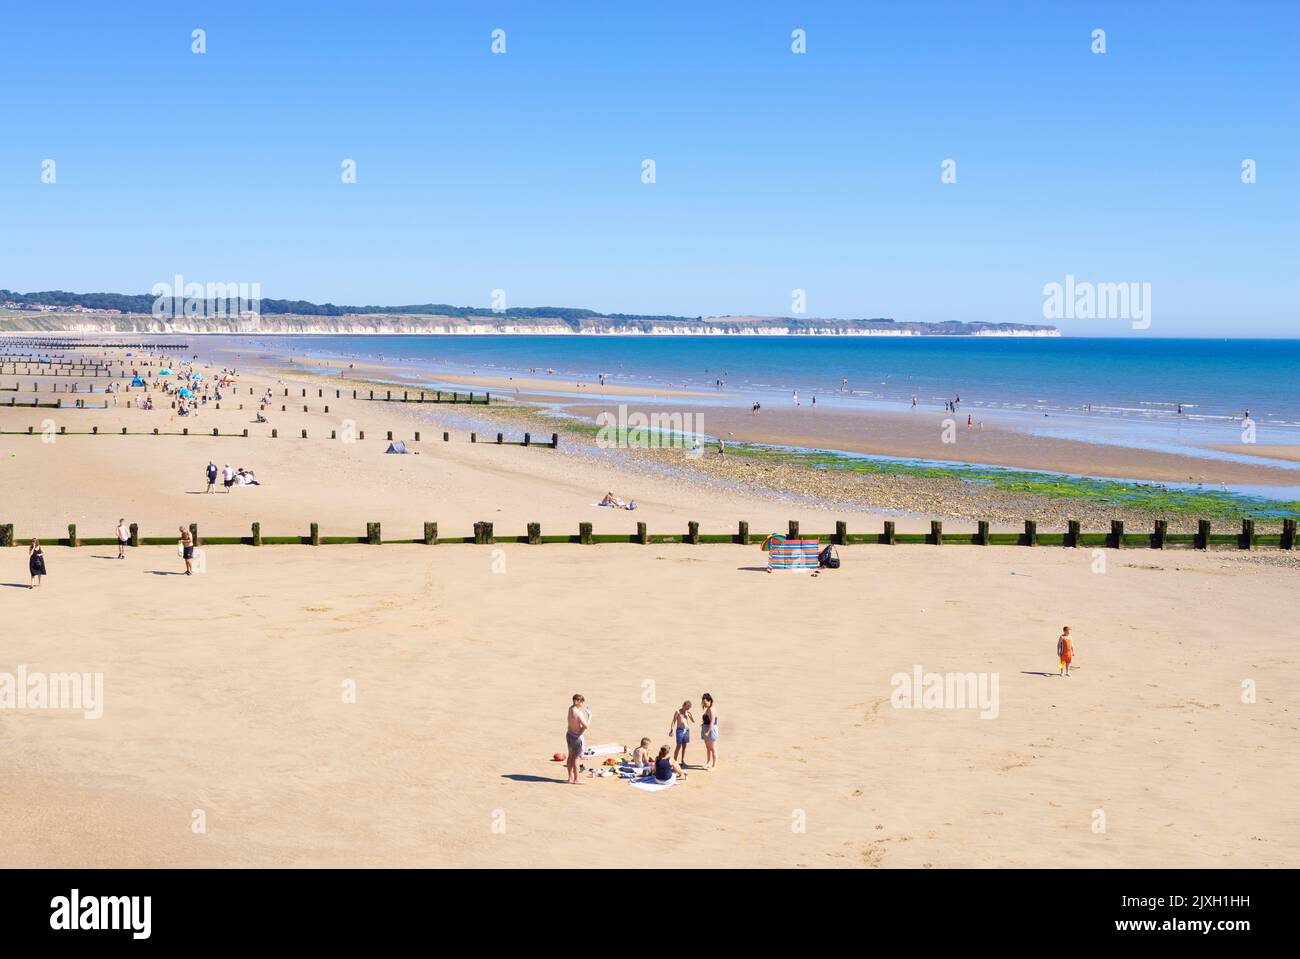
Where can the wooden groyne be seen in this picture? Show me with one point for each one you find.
(485, 534)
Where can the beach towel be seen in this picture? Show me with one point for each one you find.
(604, 749)
(793, 554)
(651, 786)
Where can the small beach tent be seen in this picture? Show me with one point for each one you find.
(137, 382)
(185, 392)
(796, 554)
(197, 376)
(164, 372)
(397, 447)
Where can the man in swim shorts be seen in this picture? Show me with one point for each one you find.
(574, 735)
(681, 731)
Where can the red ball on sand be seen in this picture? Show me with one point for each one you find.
(558, 757)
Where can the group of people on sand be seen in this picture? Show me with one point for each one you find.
(664, 767)
(230, 477)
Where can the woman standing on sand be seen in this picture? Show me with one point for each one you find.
(709, 730)
(35, 563)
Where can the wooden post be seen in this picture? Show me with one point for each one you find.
(584, 533)
(794, 529)
(194, 534)
(1117, 533)
(982, 537)
(315, 534)
(185, 431)
(555, 441)
(1159, 533)
(1072, 533)
(334, 434)
(1247, 539)
(889, 535)
(257, 534)
(1031, 532)
(72, 534)
(245, 432)
(390, 436)
(527, 439)
(742, 533)
(304, 434)
(1288, 534)
(361, 434)
(534, 533)
(693, 532)
(373, 537)
(135, 534)
(642, 535)
(473, 437)
(215, 431)
(841, 533)
(936, 532)
(274, 434)
(417, 436)
(500, 438)
(430, 534)
(446, 437)
(94, 430)
(483, 533)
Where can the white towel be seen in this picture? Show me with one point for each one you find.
(650, 785)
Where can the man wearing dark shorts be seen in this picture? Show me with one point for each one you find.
(212, 477)
(573, 735)
(187, 550)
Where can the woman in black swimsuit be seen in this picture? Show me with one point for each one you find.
(35, 563)
(709, 731)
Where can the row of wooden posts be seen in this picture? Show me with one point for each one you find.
(484, 534)
(551, 444)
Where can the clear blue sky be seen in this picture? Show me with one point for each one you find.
(775, 170)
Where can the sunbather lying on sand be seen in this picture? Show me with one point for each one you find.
(614, 502)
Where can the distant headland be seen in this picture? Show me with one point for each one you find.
(62, 312)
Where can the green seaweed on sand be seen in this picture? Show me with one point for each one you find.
(1156, 498)
(1086, 490)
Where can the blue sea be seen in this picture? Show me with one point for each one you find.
(1169, 395)
(1131, 378)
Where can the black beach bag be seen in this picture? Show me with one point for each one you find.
(828, 558)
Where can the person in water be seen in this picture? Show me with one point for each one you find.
(709, 731)
(1065, 651)
(666, 770)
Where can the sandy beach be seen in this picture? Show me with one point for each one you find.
(226, 694)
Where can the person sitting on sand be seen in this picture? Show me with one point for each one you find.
(641, 755)
(1065, 651)
(666, 770)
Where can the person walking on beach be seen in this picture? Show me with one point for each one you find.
(187, 550)
(578, 724)
(680, 730)
(709, 730)
(1065, 651)
(228, 477)
(212, 477)
(123, 537)
(35, 563)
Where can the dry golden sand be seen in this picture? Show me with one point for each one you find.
(224, 694)
(224, 691)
